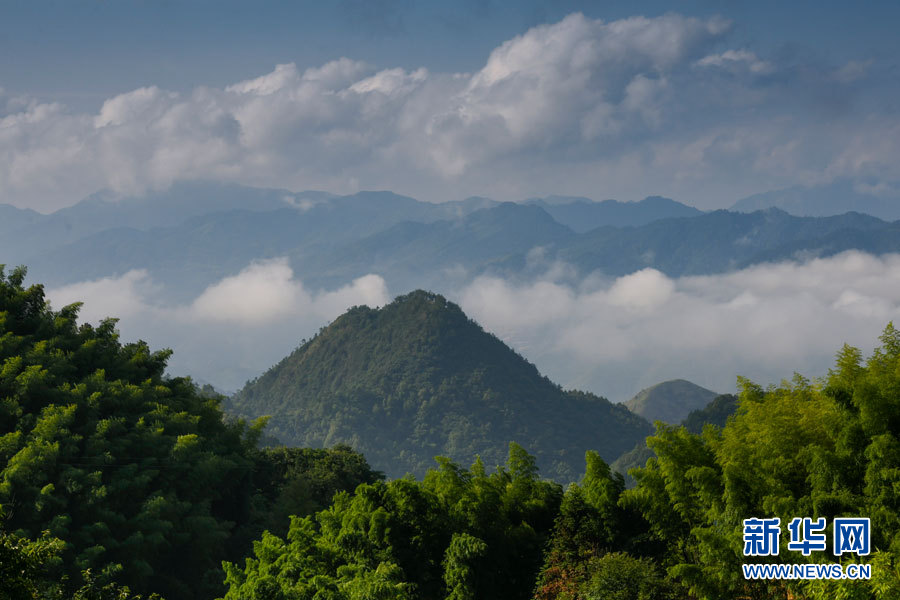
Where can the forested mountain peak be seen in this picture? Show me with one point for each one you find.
(418, 378)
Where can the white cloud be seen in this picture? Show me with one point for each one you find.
(731, 59)
(142, 104)
(612, 337)
(119, 297)
(623, 108)
(569, 82)
(765, 322)
(644, 290)
(262, 292)
(235, 329)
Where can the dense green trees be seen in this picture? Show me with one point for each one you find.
(302, 481)
(137, 476)
(21, 566)
(827, 448)
(601, 548)
(134, 472)
(457, 534)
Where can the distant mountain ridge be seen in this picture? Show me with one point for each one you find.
(335, 242)
(720, 241)
(416, 379)
(836, 198)
(583, 214)
(205, 232)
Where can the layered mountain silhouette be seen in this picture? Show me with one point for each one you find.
(418, 378)
(193, 234)
(835, 198)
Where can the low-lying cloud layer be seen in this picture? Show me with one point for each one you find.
(621, 109)
(235, 329)
(764, 322)
(612, 337)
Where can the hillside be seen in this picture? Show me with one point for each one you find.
(417, 379)
(670, 401)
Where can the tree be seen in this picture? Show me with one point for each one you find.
(458, 534)
(137, 474)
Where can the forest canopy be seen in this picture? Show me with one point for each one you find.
(126, 473)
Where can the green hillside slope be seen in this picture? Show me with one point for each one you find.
(417, 379)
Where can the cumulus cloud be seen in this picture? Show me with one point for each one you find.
(622, 108)
(571, 82)
(764, 322)
(118, 297)
(262, 292)
(235, 329)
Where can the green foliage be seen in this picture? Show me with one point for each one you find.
(592, 526)
(715, 413)
(619, 576)
(458, 534)
(460, 564)
(22, 575)
(825, 449)
(134, 472)
(416, 379)
(302, 481)
(137, 476)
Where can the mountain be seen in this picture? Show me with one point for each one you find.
(583, 214)
(823, 200)
(201, 249)
(412, 254)
(13, 218)
(716, 242)
(106, 210)
(416, 379)
(193, 234)
(670, 401)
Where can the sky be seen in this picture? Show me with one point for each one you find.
(705, 102)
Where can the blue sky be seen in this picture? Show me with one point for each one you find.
(84, 51)
(750, 97)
